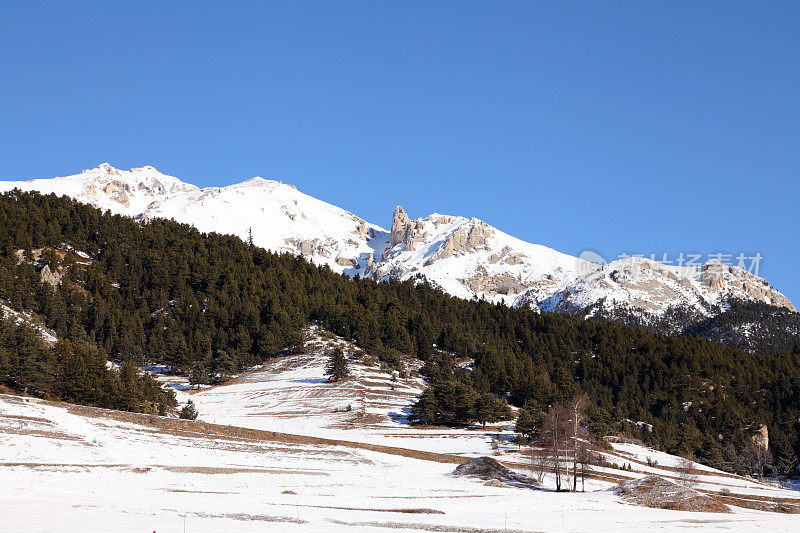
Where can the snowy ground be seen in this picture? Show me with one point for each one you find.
(77, 469)
(291, 394)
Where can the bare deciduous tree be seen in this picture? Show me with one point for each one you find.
(586, 458)
(538, 463)
(565, 437)
(686, 473)
(576, 433)
(554, 431)
(756, 458)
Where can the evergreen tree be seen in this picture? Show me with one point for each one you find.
(199, 375)
(529, 420)
(426, 409)
(189, 411)
(785, 457)
(337, 369)
(490, 408)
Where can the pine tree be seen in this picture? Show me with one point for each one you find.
(426, 410)
(529, 421)
(786, 459)
(189, 411)
(337, 365)
(199, 375)
(490, 408)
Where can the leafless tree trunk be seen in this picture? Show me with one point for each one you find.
(575, 411)
(686, 475)
(585, 458)
(538, 463)
(554, 430)
(756, 458)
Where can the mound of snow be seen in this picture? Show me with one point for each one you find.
(491, 470)
(657, 492)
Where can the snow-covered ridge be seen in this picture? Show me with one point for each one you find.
(277, 215)
(465, 257)
(469, 258)
(652, 288)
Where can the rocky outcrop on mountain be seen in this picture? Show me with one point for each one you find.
(404, 231)
(49, 277)
(653, 290)
(464, 240)
(761, 437)
(481, 282)
(469, 258)
(722, 278)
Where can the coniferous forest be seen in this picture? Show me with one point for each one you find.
(161, 292)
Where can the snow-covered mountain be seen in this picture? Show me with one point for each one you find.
(653, 288)
(277, 215)
(125, 192)
(469, 258)
(465, 257)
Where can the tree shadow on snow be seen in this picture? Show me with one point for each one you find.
(312, 381)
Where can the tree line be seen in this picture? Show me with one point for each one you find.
(74, 372)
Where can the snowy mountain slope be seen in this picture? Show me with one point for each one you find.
(125, 192)
(281, 218)
(653, 288)
(468, 258)
(463, 256)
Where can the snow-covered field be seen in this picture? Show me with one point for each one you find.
(68, 468)
(291, 394)
(64, 471)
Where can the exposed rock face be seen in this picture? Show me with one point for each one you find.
(346, 262)
(485, 283)
(363, 229)
(404, 230)
(719, 277)
(761, 438)
(465, 239)
(400, 222)
(51, 278)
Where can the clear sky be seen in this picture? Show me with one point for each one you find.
(622, 127)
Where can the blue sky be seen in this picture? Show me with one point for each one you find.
(622, 127)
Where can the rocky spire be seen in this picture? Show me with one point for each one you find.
(400, 223)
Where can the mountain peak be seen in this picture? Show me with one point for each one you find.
(102, 167)
(146, 168)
